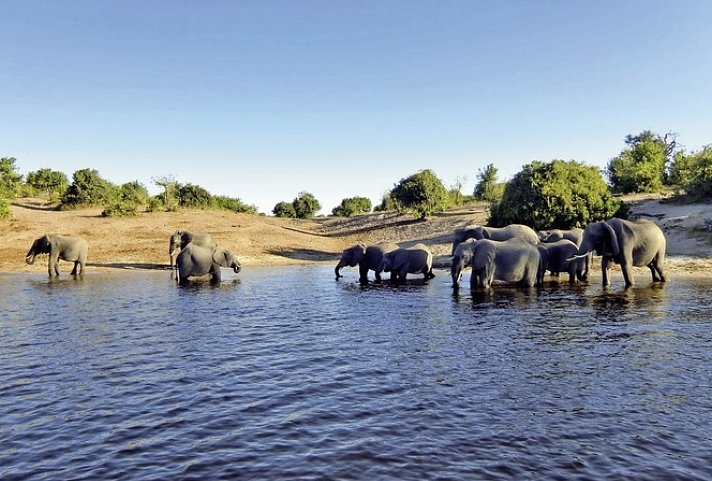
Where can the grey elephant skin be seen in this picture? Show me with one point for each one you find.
(512, 231)
(511, 261)
(412, 260)
(67, 248)
(196, 261)
(182, 238)
(628, 243)
(575, 235)
(367, 258)
(560, 256)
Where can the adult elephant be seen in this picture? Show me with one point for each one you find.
(628, 243)
(513, 260)
(195, 260)
(512, 231)
(557, 257)
(412, 260)
(367, 258)
(182, 238)
(67, 248)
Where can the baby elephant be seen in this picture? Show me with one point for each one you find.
(413, 260)
(72, 249)
(194, 261)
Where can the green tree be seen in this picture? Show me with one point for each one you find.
(642, 166)
(305, 205)
(284, 209)
(488, 188)
(166, 200)
(129, 197)
(193, 196)
(692, 173)
(558, 194)
(388, 203)
(10, 179)
(51, 183)
(352, 206)
(89, 188)
(233, 204)
(422, 193)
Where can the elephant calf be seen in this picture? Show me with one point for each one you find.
(194, 261)
(557, 257)
(413, 260)
(67, 248)
(367, 258)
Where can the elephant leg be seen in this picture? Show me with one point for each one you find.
(656, 269)
(53, 265)
(363, 274)
(215, 275)
(628, 272)
(76, 265)
(605, 271)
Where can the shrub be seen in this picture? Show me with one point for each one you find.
(388, 203)
(640, 167)
(193, 196)
(557, 194)
(422, 193)
(5, 212)
(48, 182)
(352, 206)
(10, 179)
(88, 188)
(692, 173)
(488, 189)
(305, 205)
(284, 209)
(232, 204)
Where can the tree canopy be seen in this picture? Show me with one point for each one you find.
(641, 166)
(422, 193)
(558, 194)
(352, 206)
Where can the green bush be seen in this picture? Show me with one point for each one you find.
(193, 196)
(284, 209)
(422, 193)
(692, 173)
(640, 167)
(488, 189)
(305, 205)
(232, 204)
(89, 188)
(10, 179)
(388, 203)
(5, 212)
(48, 182)
(352, 206)
(558, 194)
(120, 208)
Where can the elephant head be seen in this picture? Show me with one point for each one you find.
(599, 237)
(40, 246)
(462, 259)
(350, 257)
(225, 259)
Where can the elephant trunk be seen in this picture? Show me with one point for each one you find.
(30, 258)
(338, 267)
(456, 270)
(236, 267)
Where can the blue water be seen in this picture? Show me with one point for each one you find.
(285, 373)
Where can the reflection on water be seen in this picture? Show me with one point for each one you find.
(284, 373)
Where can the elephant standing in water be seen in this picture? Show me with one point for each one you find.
(512, 231)
(195, 260)
(182, 238)
(367, 258)
(628, 243)
(72, 249)
(556, 257)
(513, 260)
(413, 260)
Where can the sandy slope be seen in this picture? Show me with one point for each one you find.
(142, 242)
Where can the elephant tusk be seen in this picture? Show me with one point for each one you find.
(581, 256)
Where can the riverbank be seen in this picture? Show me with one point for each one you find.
(141, 242)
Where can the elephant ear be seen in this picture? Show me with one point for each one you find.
(46, 244)
(219, 257)
(614, 239)
(484, 233)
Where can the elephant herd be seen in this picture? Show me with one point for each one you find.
(512, 254)
(519, 255)
(199, 255)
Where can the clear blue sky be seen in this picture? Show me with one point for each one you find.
(262, 99)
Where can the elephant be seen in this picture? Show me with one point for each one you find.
(511, 231)
(367, 258)
(556, 257)
(513, 260)
(628, 243)
(414, 260)
(67, 248)
(195, 260)
(181, 239)
(554, 235)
